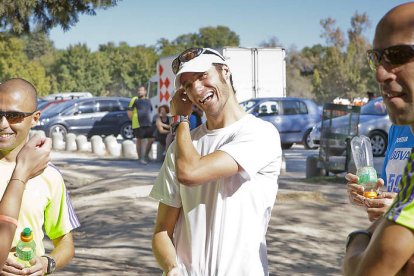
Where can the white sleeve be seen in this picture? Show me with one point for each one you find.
(166, 188)
(255, 147)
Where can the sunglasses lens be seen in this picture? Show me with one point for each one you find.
(399, 54)
(185, 56)
(13, 117)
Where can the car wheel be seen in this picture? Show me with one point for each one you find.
(307, 142)
(287, 145)
(379, 141)
(126, 131)
(58, 129)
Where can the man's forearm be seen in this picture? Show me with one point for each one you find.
(186, 156)
(164, 251)
(64, 250)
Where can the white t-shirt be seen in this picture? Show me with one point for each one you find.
(222, 225)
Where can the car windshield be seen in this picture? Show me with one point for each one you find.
(374, 107)
(56, 108)
(41, 104)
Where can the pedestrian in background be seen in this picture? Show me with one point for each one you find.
(387, 246)
(162, 125)
(140, 112)
(218, 183)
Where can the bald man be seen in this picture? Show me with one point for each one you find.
(45, 204)
(387, 246)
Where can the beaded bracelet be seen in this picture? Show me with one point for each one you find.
(8, 219)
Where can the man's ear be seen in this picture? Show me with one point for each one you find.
(35, 118)
(226, 71)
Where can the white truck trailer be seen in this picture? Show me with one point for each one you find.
(257, 72)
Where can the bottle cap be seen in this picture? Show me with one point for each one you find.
(26, 235)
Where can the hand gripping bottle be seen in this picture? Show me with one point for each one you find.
(364, 162)
(26, 247)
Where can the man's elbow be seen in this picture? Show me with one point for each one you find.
(186, 177)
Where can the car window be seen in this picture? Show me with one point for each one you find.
(108, 106)
(294, 108)
(247, 105)
(267, 108)
(124, 104)
(86, 107)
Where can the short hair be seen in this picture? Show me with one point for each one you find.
(164, 106)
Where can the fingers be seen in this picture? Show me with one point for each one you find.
(380, 183)
(356, 198)
(47, 144)
(375, 213)
(390, 195)
(351, 178)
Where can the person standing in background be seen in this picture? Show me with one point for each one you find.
(140, 111)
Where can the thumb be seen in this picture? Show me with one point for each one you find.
(380, 183)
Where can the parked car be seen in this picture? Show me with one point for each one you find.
(373, 123)
(293, 117)
(88, 116)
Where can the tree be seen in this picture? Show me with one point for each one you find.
(19, 16)
(77, 69)
(15, 64)
(271, 42)
(342, 70)
(211, 37)
(129, 67)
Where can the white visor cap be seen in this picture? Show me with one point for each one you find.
(199, 64)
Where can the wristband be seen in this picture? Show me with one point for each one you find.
(179, 120)
(24, 183)
(355, 233)
(8, 219)
(51, 264)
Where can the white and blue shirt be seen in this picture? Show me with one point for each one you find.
(400, 143)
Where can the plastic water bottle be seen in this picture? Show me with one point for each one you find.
(26, 247)
(364, 162)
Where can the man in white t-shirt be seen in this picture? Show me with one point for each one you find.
(218, 183)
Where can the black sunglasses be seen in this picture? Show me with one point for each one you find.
(394, 55)
(190, 54)
(14, 117)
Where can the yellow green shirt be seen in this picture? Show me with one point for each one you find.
(402, 210)
(45, 204)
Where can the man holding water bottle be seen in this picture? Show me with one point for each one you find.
(387, 246)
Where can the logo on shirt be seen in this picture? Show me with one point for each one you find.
(400, 154)
(402, 139)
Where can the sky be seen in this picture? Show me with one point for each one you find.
(292, 22)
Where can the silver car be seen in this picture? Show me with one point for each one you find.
(373, 123)
(293, 117)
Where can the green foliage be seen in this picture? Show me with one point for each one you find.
(341, 69)
(15, 64)
(19, 16)
(78, 69)
(212, 37)
(129, 67)
(321, 72)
